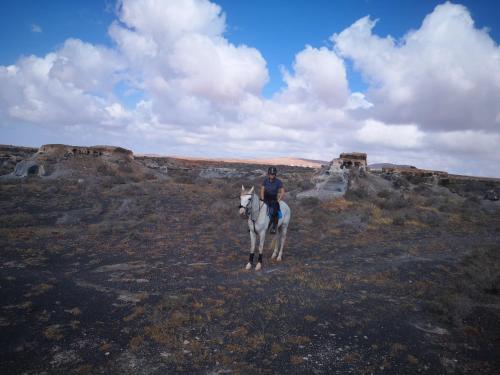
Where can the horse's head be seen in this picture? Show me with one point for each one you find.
(245, 200)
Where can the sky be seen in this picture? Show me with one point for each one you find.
(409, 82)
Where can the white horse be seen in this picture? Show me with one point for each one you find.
(258, 222)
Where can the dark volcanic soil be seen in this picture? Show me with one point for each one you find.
(127, 277)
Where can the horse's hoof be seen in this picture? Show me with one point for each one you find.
(258, 266)
(278, 259)
(248, 266)
(273, 256)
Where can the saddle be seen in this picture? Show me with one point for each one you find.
(274, 214)
(271, 211)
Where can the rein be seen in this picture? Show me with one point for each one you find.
(249, 207)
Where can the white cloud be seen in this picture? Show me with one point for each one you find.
(36, 28)
(67, 87)
(445, 75)
(358, 100)
(216, 69)
(393, 136)
(319, 74)
(178, 56)
(167, 21)
(468, 142)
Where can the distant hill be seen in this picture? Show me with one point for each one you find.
(291, 161)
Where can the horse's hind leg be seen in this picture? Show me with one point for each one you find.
(276, 242)
(252, 250)
(284, 228)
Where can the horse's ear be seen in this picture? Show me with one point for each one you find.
(251, 190)
(242, 188)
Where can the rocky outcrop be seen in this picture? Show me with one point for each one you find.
(157, 164)
(59, 152)
(401, 177)
(27, 168)
(467, 186)
(214, 172)
(330, 182)
(11, 155)
(491, 195)
(57, 160)
(220, 173)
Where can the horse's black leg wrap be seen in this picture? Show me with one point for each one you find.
(260, 258)
(250, 258)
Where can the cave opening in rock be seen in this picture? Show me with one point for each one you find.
(33, 170)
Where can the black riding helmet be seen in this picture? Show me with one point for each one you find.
(272, 170)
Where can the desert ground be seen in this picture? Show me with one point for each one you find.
(123, 273)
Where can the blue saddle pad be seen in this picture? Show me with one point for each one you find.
(280, 215)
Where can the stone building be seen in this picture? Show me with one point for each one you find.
(353, 159)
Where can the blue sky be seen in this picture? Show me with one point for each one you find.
(278, 29)
(299, 78)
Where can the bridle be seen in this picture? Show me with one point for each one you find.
(248, 209)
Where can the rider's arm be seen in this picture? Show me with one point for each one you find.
(262, 193)
(281, 193)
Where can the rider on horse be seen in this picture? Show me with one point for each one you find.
(272, 192)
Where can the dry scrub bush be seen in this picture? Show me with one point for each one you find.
(424, 190)
(310, 202)
(104, 170)
(399, 220)
(338, 205)
(379, 217)
(189, 180)
(385, 194)
(400, 183)
(356, 194)
(125, 168)
(299, 185)
(22, 219)
(109, 182)
(482, 273)
(393, 202)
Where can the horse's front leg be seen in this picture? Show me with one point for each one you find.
(262, 237)
(252, 250)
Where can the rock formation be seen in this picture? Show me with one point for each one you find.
(220, 173)
(27, 168)
(56, 160)
(215, 172)
(59, 151)
(330, 181)
(11, 155)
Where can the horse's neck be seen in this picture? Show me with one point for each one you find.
(256, 206)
